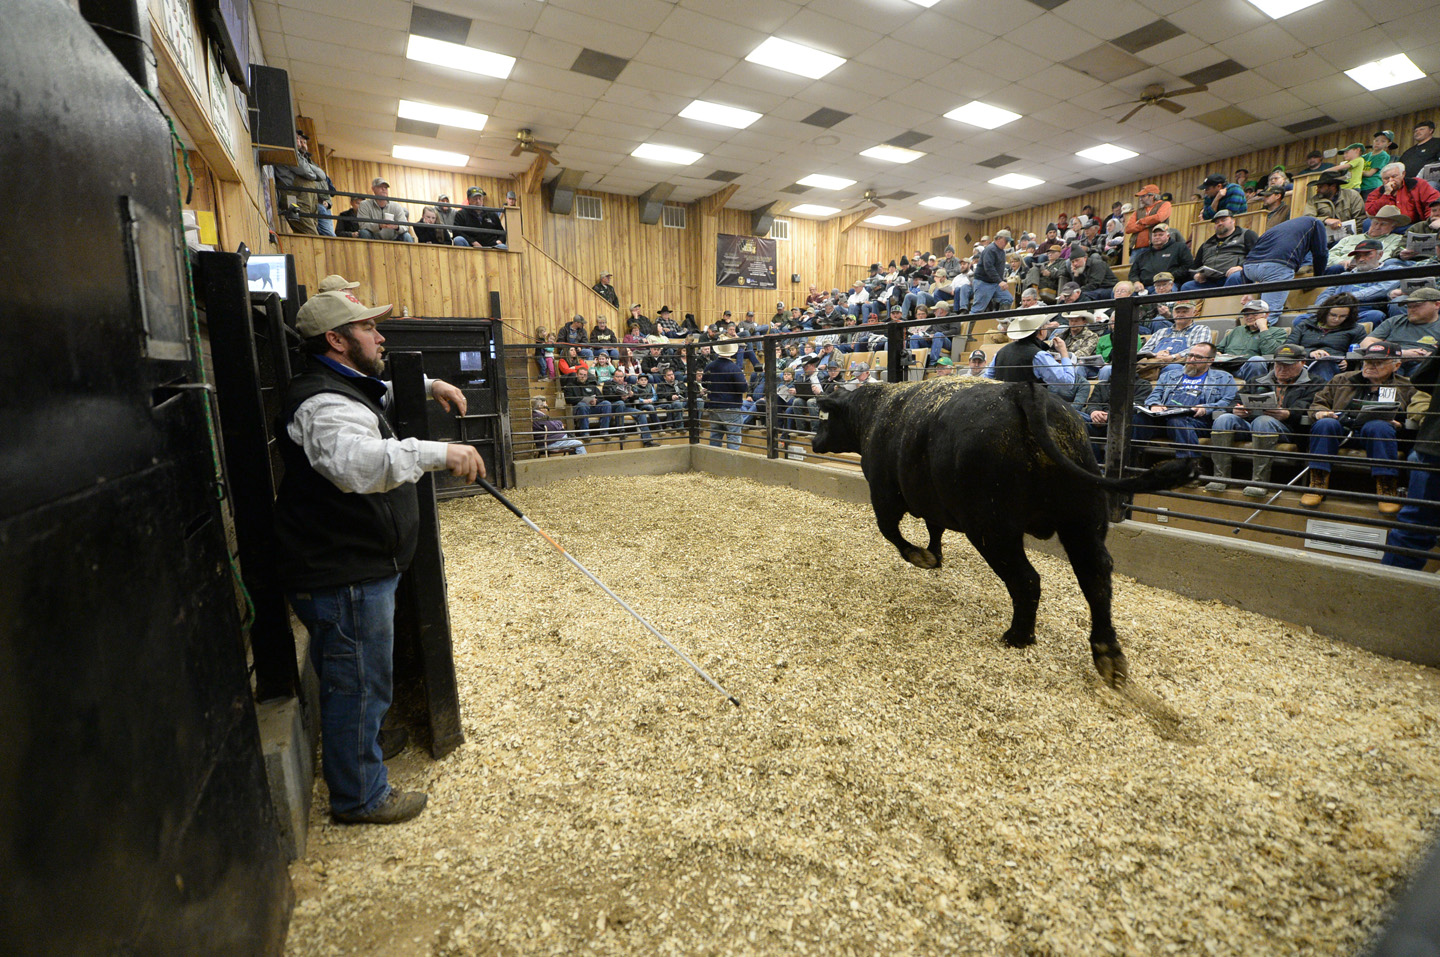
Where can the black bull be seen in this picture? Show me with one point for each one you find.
(994, 461)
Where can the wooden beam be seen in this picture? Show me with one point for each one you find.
(531, 179)
(849, 221)
(712, 204)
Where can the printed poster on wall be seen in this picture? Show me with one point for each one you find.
(745, 261)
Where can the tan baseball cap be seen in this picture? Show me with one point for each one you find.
(333, 282)
(333, 309)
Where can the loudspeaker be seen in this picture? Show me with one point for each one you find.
(272, 110)
(494, 305)
(761, 221)
(794, 277)
(562, 197)
(650, 210)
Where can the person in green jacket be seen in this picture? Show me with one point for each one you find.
(1381, 155)
(1251, 340)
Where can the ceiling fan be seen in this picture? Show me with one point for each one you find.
(1155, 95)
(872, 199)
(525, 142)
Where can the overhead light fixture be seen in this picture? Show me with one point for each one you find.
(666, 154)
(794, 58)
(887, 220)
(826, 182)
(420, 154)
(1016, 181)
(1107, 153)
(458, 56)
(1276, 9)
(810, 209)
(983, 115)
(731, 116)
(444, 115)
(944, 202)
(892, 154)
(1390, 71)
(925, 3)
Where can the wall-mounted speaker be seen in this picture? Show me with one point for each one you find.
(272, 113)
(794, 277)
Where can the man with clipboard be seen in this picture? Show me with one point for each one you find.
(1271, 409)
(1186, 399)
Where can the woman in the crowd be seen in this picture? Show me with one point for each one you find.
(1328, 335)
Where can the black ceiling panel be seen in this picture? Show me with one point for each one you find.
(438, 25)
(826, 117)
(602, 66)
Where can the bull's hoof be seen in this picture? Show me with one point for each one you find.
(1114, 669)
(922, 558)
(1019, 639)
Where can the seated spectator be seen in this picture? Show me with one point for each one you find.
(627, 366)
(550, 433)
(1414, 198)
(634, 336)
(1422, 508)
(1150, 211)
(975, 365)
(1251, 339)
(1223, 254)
(445, 209)
(572, 362)
(430, 229)
(573, 333)
(863, 376)
(1314, 162)
(621, 396)
(669, 401)
(643, 404)
(603, 287)
(1425, 151)
(1382, 152)
(545, 355)
(1167, 253)
(1294, 389)
(1170, 344)
(1276, 205)
(945, 366)
(1096, 409)
(582, 394)
(1204, 391)
(1081, 338)
(1092, 272)
(814, 297)
(604, 335)
(1278, 177)
(1070, 294)
(1335, 203)
(647, 328)
(603, 368)
(1221, 195)
(1028, 358)
(1383, 228)
(1352, 165)
(393, 217)
(1371, 288)
(1328, 336)
(1416, 334)
(810, 385)
(922, 336)
(1279, 252)
(1160, 315)
(1337, 413)
(475, 215)
(345, 223)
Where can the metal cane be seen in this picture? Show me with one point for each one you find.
(485, 484)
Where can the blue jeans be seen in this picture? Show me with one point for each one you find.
(986, 292)
(1378, 438)
(1230, 422)
(1423, 508)
(1184, 430)
(937, 341)
(352, 641)
(407, 237)
(567, 445)
(725, 424)
(1266, 272)
(584, 412)
(324, 222)
(1253, 369)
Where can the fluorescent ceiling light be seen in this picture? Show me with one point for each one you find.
(1107, 153)
(1016, 181)
(944, 202)
(983, 115)
(826, 182)
(421, 155)
(1387, 72)
(1282, 8)
(892, 154)
(925, 3)
(810, 209)
(730, 116)
(458, 56)
(666, 154)
(444, 115)
(794, 58)
(887, 220)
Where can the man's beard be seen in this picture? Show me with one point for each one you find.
(355, 355)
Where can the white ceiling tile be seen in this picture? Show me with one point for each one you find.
(389, 14)
(316, 51)
(939, 35)
(549, 51)
(303, 72)
(764, 15)
(1280, 105)
(1262, 45)
(1003, 59)
(843, 38)
(274, 46)
(1106, 19)
(1216, 20)
(1357, 48)
(516, 14)
(642, 76)
(267, 15)
(711, 32)
(1052, 39)
(1295, 70)
(1326, 21)
(905, 59)
(602, 35)
(868, 80)
(652, 100)
(643, 15)
(683, 58)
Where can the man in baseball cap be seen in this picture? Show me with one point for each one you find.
(333, 282)
(389, 220)
(975, 364)
(346, 525)
(1294, 390)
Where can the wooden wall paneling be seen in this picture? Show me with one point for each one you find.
(1182, 183)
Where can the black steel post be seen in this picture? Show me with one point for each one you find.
(1122, 396)
(692, 393)
(772, 391)
(505, 441)
(894, 352)
(422, 610)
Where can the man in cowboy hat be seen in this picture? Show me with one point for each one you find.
(1387, 226)
(1334, 202)
(346, 522)
(725, 391)
(1028, 358)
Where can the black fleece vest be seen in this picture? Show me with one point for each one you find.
(327, 537)
(1016, 362)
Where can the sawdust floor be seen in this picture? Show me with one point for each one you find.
(897, 781)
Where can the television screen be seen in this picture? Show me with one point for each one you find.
(269, 274)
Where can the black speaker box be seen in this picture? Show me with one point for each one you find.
(272, 111)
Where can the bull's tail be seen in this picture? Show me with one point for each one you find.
(1163, 476)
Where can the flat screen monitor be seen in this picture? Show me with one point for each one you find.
(272, 274)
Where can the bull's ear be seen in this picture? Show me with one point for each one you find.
(830, 403)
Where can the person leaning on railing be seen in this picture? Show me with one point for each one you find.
(379, 207)
(1423, 487)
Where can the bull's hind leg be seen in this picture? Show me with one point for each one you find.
(887, 515)
(1085, 546)
(937, 532)
(1004, 552)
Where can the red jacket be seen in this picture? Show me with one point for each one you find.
(1415, 198)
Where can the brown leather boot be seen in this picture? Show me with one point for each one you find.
(1319, 484)
(1388, 485)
